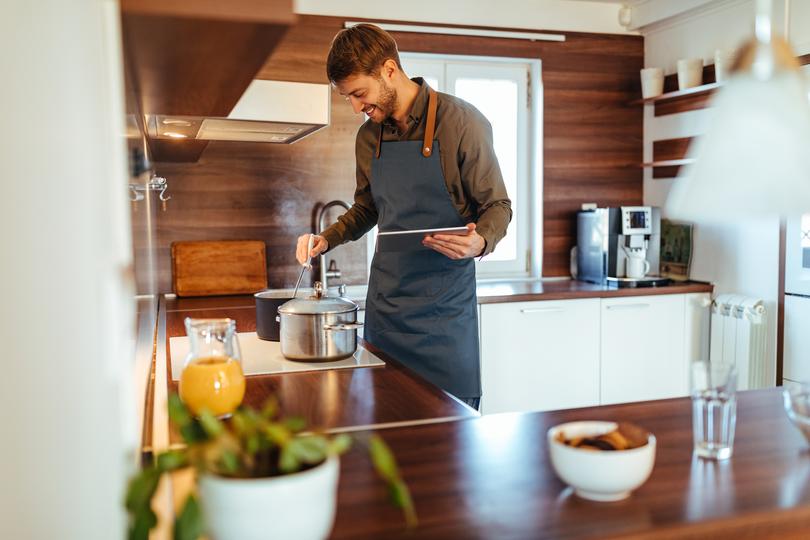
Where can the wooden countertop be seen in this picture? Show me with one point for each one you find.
(335, 400)
(564, 289)
(490, 477)
(491, 292)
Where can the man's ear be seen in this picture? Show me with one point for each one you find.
(389, 69)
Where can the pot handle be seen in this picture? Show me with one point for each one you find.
(343, 326)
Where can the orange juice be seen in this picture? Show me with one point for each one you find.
(215, 383)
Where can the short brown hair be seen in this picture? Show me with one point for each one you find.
(360, 50)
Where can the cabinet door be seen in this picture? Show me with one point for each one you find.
(797, 341)
(643, 348)
(696, 326)
(539, 355)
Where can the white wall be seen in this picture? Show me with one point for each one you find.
(744, 257)
(67, 313)
(570, 15)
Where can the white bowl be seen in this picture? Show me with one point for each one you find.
(599, 475)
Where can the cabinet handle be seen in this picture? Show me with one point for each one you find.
(542, 310)
(629, 306)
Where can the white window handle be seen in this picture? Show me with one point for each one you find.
(629, 306)
(542, 310)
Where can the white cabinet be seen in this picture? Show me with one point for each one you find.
(797, 351)
(643, 350)
(539, 355)
(696, 326)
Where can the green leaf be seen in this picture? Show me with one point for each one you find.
(308, 449)
(288, 461)
(178, 413)
(245, 421)
(340, 444)
(193, 433)
(383, 459)
(295, 423)
(253, 444)
(277, 433)
(400, 495)
(270, 408)
(141, 489)
(230, 462)
(172, 460)
(189, 524)
(144, 521)
(386, 466)
(210, 424)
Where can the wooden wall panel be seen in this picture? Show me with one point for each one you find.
(668, 149)
(592, 147)
(246, 191)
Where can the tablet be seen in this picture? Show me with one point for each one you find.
(411, 240)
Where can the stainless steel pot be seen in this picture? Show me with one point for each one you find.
(318, 328)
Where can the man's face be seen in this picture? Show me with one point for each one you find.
(370, 95)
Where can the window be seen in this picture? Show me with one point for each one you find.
(500, 89)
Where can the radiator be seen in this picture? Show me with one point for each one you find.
(738, 335)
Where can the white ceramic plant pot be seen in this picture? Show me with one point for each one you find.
(300, 505)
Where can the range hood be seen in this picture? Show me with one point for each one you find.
(269, 111)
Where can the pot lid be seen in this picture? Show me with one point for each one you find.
(317, 304)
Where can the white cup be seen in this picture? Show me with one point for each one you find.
(690, 73)
(652, 82)
(637, 267)
(723, 59)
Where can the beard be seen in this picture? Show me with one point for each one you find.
(386, 103)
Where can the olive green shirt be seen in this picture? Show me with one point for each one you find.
(471, 172)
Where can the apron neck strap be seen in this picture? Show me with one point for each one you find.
(430, 128)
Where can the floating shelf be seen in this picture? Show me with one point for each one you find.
(694, 91)
(669, 163)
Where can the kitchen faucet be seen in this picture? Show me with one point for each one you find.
(332, 271)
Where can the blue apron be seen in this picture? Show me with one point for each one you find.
(421, 307)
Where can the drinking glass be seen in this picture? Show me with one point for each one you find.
(714, 408)
(212, 377)
(797, 405)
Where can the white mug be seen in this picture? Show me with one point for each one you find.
(723, 60)
(637, 267)
(652, 82)
(690, 73)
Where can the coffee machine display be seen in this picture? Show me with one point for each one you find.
(620, 247)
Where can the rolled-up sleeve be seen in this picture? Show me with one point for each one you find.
(482, 180)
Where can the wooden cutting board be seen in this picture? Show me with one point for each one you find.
(215, 268)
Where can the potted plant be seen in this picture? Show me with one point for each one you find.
(259, 476)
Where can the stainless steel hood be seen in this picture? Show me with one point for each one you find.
(269, 111)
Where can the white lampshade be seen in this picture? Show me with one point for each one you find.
(754, 159)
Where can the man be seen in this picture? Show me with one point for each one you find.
(424, 160)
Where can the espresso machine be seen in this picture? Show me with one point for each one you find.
(619, 247)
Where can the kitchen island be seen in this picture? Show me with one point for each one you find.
(490, 477)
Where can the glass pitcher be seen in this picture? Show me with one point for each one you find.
(212, 377)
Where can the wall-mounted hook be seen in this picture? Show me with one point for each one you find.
(134, 193)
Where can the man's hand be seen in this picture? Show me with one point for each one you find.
(456, 246)
(319, 245)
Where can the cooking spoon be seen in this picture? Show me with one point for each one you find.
(306, 265)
